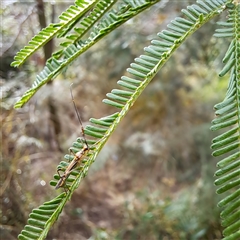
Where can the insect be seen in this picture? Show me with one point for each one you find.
(78, 156)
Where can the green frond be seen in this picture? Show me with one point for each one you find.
(228, 116)
(44, 36)
(73, 50)
(72, 14)
(39, 221)
(88, 21)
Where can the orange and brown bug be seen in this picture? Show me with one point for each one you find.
(73, 164)
(78, 157)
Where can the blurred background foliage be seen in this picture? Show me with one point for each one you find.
(154, 178)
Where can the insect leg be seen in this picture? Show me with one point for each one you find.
(60, 170)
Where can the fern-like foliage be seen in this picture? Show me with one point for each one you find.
(228, 116)
(72, 49)
(41, 219)
(72, 14)
(141, 72)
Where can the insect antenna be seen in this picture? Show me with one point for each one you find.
(79, 117)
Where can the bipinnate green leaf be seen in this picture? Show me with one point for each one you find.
(227, 144)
